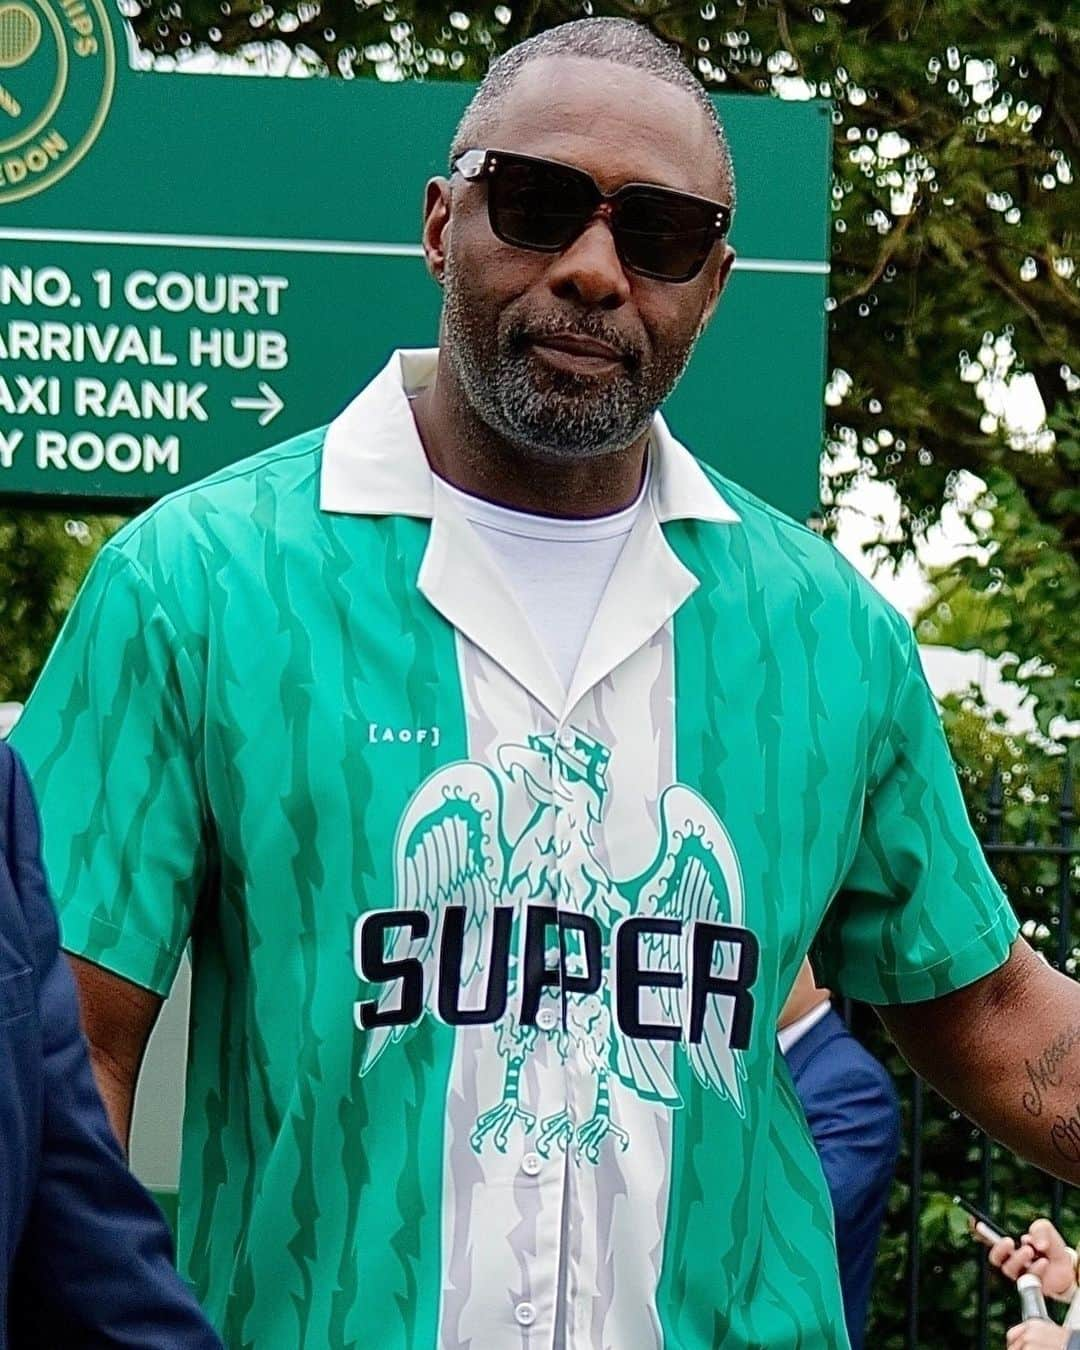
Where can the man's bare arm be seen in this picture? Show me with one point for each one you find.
(1006, 1052)
(117, 1017)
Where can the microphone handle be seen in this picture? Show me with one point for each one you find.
(1032, 1303)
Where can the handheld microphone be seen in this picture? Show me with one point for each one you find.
(1032, 1304)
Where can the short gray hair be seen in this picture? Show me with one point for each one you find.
(625, 42)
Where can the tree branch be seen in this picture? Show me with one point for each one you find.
(888, 251)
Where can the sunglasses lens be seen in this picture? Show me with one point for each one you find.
(542, 205)
(663, 234)
(537, 205)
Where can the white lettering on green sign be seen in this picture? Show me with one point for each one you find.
(79, 419)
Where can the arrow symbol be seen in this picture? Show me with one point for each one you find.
(268, 406)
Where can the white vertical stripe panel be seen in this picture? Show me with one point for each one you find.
(501, 1228)
(619, 1206)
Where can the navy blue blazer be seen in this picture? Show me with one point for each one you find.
(851, 1108)
(85, 1256)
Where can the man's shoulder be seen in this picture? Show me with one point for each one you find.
(229, 509)
(784, 555)
(780, 542)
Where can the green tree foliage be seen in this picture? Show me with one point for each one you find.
(43, 556)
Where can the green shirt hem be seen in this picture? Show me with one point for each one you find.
(126, 954)
(986, 952)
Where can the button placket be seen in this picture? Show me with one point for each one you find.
(550, 1021)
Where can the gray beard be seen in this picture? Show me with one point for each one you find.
(550, 414)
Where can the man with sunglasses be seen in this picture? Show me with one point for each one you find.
(502, 763)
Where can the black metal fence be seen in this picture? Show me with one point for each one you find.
(932, 1289)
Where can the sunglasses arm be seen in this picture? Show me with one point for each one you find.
(472, 165)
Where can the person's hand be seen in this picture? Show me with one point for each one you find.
(1041, 1252)
(1037, 1336)
(1055, 1265)
(1011, 1258)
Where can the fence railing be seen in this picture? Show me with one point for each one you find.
(942, 1153)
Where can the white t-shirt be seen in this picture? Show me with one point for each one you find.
(556, 566)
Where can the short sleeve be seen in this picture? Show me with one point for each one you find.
(919, 913)
(111, 750)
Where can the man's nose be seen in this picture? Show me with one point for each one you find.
(589, 271)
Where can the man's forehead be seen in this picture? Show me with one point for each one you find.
(620, 123)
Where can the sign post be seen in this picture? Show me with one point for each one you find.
(193, 267)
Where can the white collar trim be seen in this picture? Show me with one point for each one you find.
(793, 1034)
(374, 463)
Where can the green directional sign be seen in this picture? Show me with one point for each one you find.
(195, 266)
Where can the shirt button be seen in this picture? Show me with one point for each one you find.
(546, 1019)
(566, 739)
(525, 1314)
(531, 1164)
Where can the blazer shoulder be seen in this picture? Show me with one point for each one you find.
(14, 778)
(16, 802)
(21, 867)
(830, 1048)
(837, 1059)
(17, 934)
(12, 789)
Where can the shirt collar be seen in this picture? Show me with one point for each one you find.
(795, 1031)
(374, 464)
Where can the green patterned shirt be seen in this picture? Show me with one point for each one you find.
(487, 972)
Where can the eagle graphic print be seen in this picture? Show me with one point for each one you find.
(630, 965)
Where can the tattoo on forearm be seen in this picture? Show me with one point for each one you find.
(1065, 1135)
(1045, 1072)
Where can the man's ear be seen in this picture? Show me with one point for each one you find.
(717, 288)
(436, 223)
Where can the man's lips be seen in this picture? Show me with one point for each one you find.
(573, 351)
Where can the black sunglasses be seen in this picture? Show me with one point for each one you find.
(543, 205)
